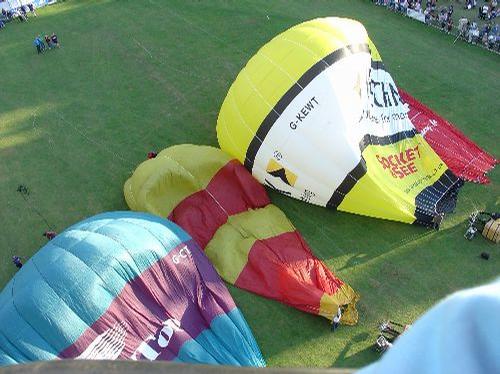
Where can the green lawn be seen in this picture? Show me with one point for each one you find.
(134, 76)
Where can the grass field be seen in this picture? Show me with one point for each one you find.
(134, 76)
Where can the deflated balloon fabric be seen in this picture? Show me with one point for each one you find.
(250, 241)
(122, 285)
(464, 158)
(316, 116)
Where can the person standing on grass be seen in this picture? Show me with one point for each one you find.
(32, 8)
(449, 25)
(48, 40)
(50, 234)
(17, 261)
(41, 41)
(23, 11)
(37, 44)
(336, 319)
(54, 40)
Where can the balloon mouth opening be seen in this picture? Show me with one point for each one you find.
(350, 313)
(442, 206)
(344, 298)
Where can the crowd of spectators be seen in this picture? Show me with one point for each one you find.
(21, 14)
(480, 28)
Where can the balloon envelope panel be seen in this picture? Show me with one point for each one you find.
(122, 285)
(251, 242)
(465, 158)
(327, 126)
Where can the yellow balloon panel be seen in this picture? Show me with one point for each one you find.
(272, 71)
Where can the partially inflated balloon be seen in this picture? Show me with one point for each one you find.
(250, 241)
(315, 115)
(122, 285)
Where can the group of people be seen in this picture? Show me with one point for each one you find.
(42, 43)
(21, 14)
(488, 11)
(403, 5)
(488, 35)
(444, 18)
(471, 31)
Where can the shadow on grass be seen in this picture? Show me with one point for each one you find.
(363, 355)
(398, 284)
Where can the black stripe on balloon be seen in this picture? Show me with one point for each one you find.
(288, 97)
(360, 169)
(385, 140)
(378, 65)
(434, 201)
(347, 184)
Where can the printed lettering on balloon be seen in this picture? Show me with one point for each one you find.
(307, 196)
(382, 90)
(382, 94)
(183, 253)
(400, 164)
(304, 112)
(432, 124)
(151, 347)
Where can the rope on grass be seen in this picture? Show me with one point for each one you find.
(25, 193)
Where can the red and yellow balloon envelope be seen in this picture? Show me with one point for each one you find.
(315, 115)
(250, 242)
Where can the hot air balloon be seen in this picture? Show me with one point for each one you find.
(250, 242)
(122, 285)
(315, 115)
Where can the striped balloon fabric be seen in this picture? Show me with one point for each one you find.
(315, 115)
(250, 242)
(122, 285)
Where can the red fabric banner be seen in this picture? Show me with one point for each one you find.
(464, 158)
